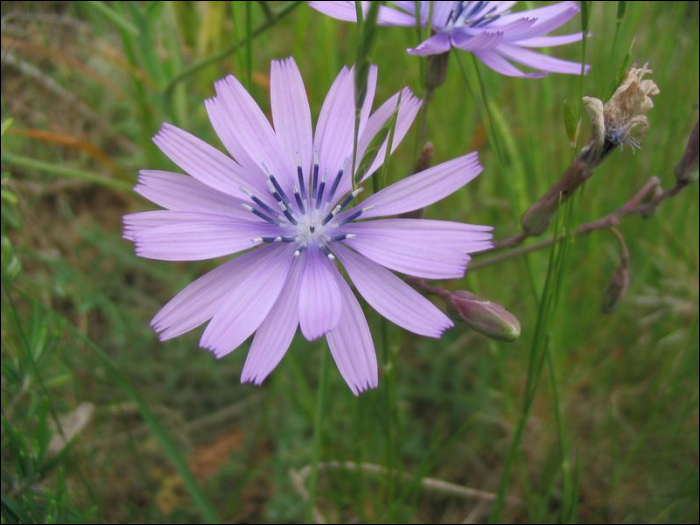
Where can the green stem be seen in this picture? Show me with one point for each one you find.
(249, 43)
(318, 434)
(166, 443)
(69, 173)
(224, 53)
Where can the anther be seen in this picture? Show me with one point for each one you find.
(336, 183)
(319, 197)
(332, 214)
(260, 214)
(299, 200)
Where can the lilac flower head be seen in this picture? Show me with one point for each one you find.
(490, 30)
(287, 201)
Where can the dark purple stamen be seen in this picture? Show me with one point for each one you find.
(342, 237)
(336, 183)
(319, 197)
(289, 215)
(351, 217)
(300, 202)
(314, 181)
(261, 215)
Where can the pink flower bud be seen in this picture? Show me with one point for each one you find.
(484, 316)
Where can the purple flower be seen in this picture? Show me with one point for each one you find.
(289, 196)
(490, 30)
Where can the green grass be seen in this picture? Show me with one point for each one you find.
(587, 418)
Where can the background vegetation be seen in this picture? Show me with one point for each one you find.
(156, 432)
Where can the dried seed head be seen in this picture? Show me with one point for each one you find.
(625, 112)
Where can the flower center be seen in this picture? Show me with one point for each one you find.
(309, 220)
(472, 14)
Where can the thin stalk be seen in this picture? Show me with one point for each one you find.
(224, 53)
(318, 435)
(62, 171)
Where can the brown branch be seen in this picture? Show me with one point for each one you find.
(635, 206)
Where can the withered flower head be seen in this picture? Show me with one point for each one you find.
(625, 112)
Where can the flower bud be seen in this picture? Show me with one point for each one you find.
(689, 163)
(437, 70)
(425, 159)
(484, 316)
(616, 290)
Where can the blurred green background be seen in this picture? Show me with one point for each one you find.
(166, 433)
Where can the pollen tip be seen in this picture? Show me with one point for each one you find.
(246, 206)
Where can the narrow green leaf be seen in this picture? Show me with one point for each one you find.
(6, 124)
(621, 9)
(114, 17)
(62, 171)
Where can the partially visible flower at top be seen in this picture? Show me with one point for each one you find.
(490, 30)
(289, 196)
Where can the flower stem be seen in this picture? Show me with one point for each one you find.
(318, 435)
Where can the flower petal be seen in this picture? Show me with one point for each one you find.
(136, 223)
(465, 238)
(426, 260)
(424, 188)
(247, 305)
(391, 297)
(319, 298)
(194, 236)
(408, 110)
(275, 334)
(351, 343)
(540, 61)
(290, 112)
(200, 300)
(500, 65)
(346, 11)
(418, 247)
(551, 41)
(180, 192)
(541, 13)
(246, 132)
(540, 26)
(335, 131)
(441, 12)
(435, 45)
(204, 162)
(484, 40)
